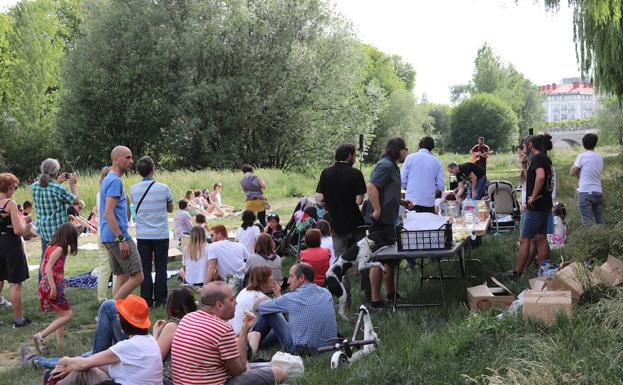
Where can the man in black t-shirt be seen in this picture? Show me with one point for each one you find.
(341, 189)
(473, 176)
(538, 204)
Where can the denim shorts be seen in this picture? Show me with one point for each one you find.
(534, 222)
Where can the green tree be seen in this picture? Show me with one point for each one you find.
(609, 121)
(598, 35)
(440, 124)
(483, 115)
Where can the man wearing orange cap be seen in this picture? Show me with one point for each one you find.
(205, 350)
(135, 361)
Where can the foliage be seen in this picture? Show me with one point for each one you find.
(483, 115)
(439, 125)
(493, 76)
(590, 243)
(609, 121)
(598, 35)
(576, 124)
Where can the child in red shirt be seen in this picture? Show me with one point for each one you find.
(318, 257)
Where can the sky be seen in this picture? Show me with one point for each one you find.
(440, 38)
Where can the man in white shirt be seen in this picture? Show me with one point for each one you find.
(226, 259)
(588, 167)
(422, 176)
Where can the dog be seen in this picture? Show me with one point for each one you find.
(359, 254)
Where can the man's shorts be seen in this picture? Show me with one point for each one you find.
(383, 235)
(533, 223)
(261, 376)
(124, 266)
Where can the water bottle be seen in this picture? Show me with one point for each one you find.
(468, 211)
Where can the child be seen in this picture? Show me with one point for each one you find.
(557, 239)
(326, 241)
(195, 258)
(92, 219)
(64, 241)
(318, 257)
(247, 233)
(182, 224)
(201, 220)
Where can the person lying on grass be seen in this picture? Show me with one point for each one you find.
(51, 286)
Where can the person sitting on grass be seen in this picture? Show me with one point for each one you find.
(74, 217)
(318, 257)
(51, 286)
(311, 320)
(326, 241)
(180, 302)
(194, 207)
(248, 232)
(260, 282)
(205, 349)
(201, 220)
(136, 361)
(215, 196)
(264, 256)
(195, 258)
(182, 222)
(226, 259)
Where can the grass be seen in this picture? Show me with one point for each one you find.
(430, 346)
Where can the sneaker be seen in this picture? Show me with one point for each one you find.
(377, 306)
(25, 322)
(511, 275)
(390, 297)
(26, 357)
(5, 302)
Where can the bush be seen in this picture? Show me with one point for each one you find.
(589, 243)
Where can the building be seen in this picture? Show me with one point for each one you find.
(573, 99)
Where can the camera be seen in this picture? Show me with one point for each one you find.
(67, 175)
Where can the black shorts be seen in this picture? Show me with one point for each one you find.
(383, 235)
(13, 265)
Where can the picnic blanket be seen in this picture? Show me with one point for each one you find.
(88, 281)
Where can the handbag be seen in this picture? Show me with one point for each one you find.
(143, 197)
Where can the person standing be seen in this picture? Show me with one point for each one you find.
(341, 189)
(125, 261)
(472, 175)
(52, 200)
(253, 187)
(480, 152)
(13, 265)
(422, 177)
(538, 205)
(152, 202)
(588, 167)
(384, 195)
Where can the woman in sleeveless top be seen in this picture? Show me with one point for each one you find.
(13, 265)
(253, 187)
(179, 303)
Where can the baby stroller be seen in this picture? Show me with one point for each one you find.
(504, 205)
(304, 217)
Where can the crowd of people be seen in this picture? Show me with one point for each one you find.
(246, 304)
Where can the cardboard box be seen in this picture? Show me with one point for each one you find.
(545, 305)
(610, 273)
(569, 277)
(482, 297)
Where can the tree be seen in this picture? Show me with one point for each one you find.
(439, 126)
(598, 35)
(483, 115)
(609, 120)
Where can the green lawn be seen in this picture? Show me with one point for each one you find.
(426, 346)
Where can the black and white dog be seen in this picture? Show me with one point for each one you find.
(359, 254)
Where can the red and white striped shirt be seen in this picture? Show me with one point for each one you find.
(201, 345)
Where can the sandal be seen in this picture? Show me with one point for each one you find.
(38, 340)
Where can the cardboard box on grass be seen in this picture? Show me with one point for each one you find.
(483, 297)
(569, 277)
(545, 305)
(610, 273)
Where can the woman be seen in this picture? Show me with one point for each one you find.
(13, 265)
(253, 187)
(264, 256)
(248, 232)
(318, 257)
(195, 258)
(179, 303)
(215, 196)
(260, 281)
(326, 241)
(193, 207)
(135, 361)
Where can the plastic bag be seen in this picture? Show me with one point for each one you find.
(291, 364)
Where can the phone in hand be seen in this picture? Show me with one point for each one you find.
(67, 175)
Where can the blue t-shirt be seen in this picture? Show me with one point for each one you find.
(151, 217)
(113, 187)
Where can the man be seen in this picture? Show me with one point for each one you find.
(341, 189)
(588, 167)
(226, 259)
(480, 152)
(152, 202)
(125, 261)
(74, 217)
(311, 320)
(384, 196)
(470, 176)
(52, 200)
(538, 205)
(205, 350)
(422, 177)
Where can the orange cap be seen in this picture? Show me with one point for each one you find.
(134, 309)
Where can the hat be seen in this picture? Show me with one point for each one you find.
(134, 309)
